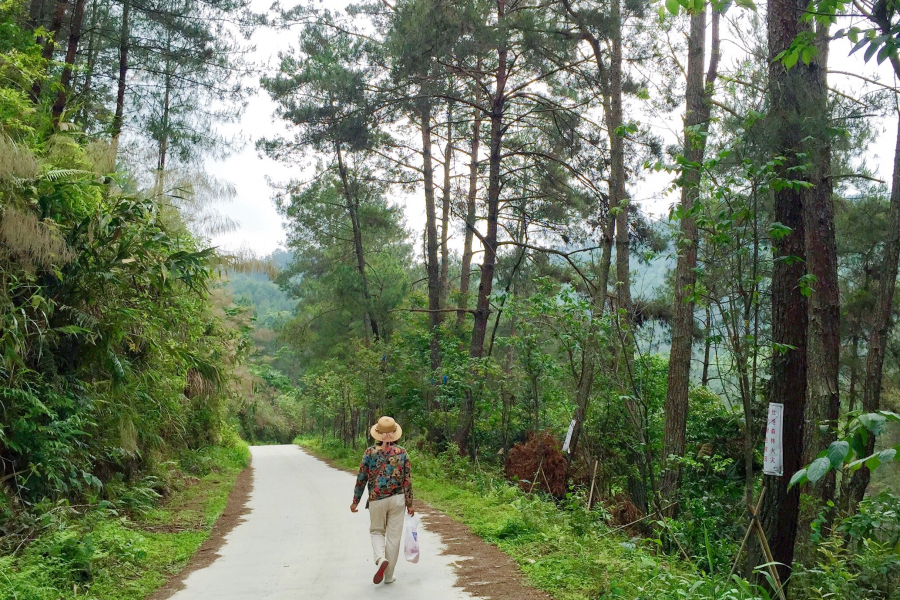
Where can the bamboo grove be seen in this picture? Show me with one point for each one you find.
(117, 353)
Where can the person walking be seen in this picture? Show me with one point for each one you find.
(385, 468)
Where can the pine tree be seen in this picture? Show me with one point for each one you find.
(322, 92)
(699, 93)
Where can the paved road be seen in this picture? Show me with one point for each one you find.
(300, 540)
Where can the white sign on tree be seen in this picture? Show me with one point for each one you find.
(772, 457)
(569, 436)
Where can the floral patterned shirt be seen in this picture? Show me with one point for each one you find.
(387, 473)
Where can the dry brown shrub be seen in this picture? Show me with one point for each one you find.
(32, 240)
(705, 451)
(538, 464)
(245, 260)
(624, 513)
(16, 162)
(128, 436)
(198, 386)
(264, 336)
(102, 156)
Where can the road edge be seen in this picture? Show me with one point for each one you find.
(484, 571)
(235, 510)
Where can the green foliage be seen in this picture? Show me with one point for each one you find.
(324, 275)
(271, 412)
(150, 340)
(849, 452)
(124, 548)
(861, 560)
(272, 307)
(711, 503)
(803, 47)
(878, 521)
(567, 552)
(116, 363)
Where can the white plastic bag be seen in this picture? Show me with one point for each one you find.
(411, 539)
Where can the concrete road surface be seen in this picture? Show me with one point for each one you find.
(300, 541)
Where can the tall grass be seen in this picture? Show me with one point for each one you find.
(562, 548)
(126, 547)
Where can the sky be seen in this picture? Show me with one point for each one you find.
(261, 229)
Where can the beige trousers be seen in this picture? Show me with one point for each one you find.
(386, 530)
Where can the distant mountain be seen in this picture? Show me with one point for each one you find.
(281, 258)
(264, 294)
(649, 276)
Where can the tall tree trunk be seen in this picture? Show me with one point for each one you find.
(618, 197)
(606, 245)
(71, 50)
(707, 346)
(582, 399)
(852, 389)
(36, 16)
(164, 138)
(445, 211)
(696, 126)
(432, 265)
(55, 27)
(611, 80)
(586, 382)
(123, 75)
(89, 68)
(881, 319)
(483, 305)
(824, 337)
(520, 237)
(353, 211)
(50, 45)
(637, 458)
(781, 508)
(465, 275)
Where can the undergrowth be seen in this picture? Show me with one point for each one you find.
(563, 550)
(128, 544)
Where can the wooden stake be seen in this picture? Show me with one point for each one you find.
(593, 479)
(677, 543)
(549, 488)
(750, 529)
(773, 571)
(536, 473)
(756, 526)
(737, 558)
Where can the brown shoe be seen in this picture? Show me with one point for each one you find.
(379, 574)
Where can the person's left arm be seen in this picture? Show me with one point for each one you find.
(407, 484)
(362, 478)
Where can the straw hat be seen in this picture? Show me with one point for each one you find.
(386, 430)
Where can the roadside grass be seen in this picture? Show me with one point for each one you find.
(125, 549)
(563, 549)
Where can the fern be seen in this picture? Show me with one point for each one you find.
(57, 175)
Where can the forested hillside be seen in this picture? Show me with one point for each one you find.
(696, 407)
(118, 354)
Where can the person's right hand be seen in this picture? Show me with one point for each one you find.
(353, 507)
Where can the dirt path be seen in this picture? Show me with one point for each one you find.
(298, 538)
